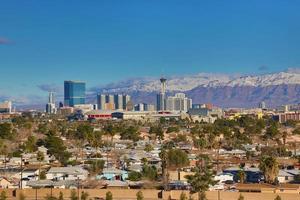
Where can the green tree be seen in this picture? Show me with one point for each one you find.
(177, 158)
(148, 148)
(202, 178)
(296, 131)
(30, 144)
(42, 128)
(22, 196)
(149, 172)
(277, 197)
(83, 130)
(284, 135)
(139, 195)
(49, 197)
(164, 165)
(40, 157)
(3, 195)
(42, 175)
(96, 166)
(290, 123)
(242, 176)
(108, 196)
(4, 151)
(73, 195)
(110, 130)
(183, 196)
(84, 195)
(269, 166)
(6, 131)
(158, 131)
(172, 129)
(57, 147)
(272, 131)
(130, 133)
(200, 143)
(134, 176)
(180, 138)
(241, 197)
(61, 196)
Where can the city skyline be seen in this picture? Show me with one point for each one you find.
(49, 42)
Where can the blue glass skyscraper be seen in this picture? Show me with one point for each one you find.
(74, 93)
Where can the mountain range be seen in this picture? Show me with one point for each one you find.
(220, 89)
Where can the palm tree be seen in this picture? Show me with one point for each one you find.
(110, 130)
(139, 195)
(284, 136)
(84, 195)
(241, 197)
(183, 196)
(4, 151)
(277, 197)
(164, 165)
(108, 196)
(95, 140)
(40, 157)
(202, 178)
(242, 176)
(269, 166)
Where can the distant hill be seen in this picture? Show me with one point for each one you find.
(220, 89)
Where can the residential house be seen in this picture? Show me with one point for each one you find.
(5, 183)
(113, 174)
(287, 175)
(67, 173)
(61, 184)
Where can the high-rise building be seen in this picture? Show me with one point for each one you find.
(161, 97)
(74, 93)
(179, 102)
(50, 106)
(51, 98)
(262, 105)
(139, 107)
(112, 102)
(101, 101)
(6, 107)
(118, 100)
(126, 100)
(144, 107)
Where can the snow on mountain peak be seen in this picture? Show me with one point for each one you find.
(189, 82)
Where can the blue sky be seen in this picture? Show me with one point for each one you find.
(43, 43)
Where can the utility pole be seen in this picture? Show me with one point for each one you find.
(35, 193)
(21, 186)
(78, 185)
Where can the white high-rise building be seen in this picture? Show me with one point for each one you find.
(179, 102)
(262, 105)
(50, 106)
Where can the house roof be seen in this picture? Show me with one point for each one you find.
(116, 183)
(68, 170)
(292, 171)
(284, 173)
(49, 183)
(113, 171)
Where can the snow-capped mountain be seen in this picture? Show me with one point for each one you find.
(189, 82)
(266, 80)
(221, 89)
